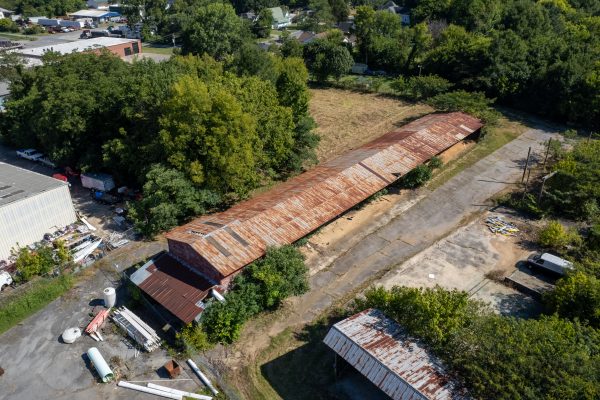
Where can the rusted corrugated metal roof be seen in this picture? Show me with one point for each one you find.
(174, 286)
(232, 239)
(379, 349)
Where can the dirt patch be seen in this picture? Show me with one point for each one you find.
(346, 120)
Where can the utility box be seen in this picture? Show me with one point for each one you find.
(103, 182)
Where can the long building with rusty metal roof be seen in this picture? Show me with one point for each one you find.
(379, 349)
(219, 245)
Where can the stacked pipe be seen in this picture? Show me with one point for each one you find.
(137, 329)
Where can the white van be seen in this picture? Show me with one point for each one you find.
(5, 279)
(550, 263)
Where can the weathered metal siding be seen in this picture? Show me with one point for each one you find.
(232, 239)
(377, 347)
(27, 220)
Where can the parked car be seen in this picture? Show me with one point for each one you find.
(550, 263)
(46, 161)
(5, 279)
(29, 154)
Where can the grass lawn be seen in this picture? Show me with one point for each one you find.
(17, 36)
(157, 50)
(496, 137)
(40, 293)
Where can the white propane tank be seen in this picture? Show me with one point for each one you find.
(70, 335)
(110, 297)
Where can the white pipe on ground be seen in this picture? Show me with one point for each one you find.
(149, 390)
(180, 392)
(202, 377)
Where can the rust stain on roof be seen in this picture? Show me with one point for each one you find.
(174, 286)
(380, 350)
(229, 240)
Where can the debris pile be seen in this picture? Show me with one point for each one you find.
(137, 329)
(498, 225)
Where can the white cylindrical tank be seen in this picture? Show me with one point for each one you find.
(110, 297)
(70, 335)
(100, 364)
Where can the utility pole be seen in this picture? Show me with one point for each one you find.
(547, 152)
(526, 165)
(526, 185)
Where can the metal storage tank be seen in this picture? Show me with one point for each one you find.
(110, 297)
(31, 205)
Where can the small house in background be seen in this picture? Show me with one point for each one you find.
(98, 4)
(281, 17)
(249, 16)
(4, 13)
(347, 26)
(402, 12)
(378, 348)
(4, 92)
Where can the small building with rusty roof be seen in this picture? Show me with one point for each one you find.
(217, 247)
(379, 349)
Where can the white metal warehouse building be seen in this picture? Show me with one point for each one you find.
(31, 205)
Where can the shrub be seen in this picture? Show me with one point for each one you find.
(194, 337)
(33, 30)
(435, 163)
(555, 236)
(576, 296)
(417, 177)
(421, 87)
(36, 297)
(474, 103)
(8, 25)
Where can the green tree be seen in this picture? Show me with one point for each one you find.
(31, 263)
(280, 274)
(474, 103)
(169, 198)
(206, 133)
(576, 296)
(339, 10)
(421, 87)
(213, 29)
(7, 25)
(324, 59)
(194, 337)
(264, 22)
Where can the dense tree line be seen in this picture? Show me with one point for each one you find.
(190, 130)
(49, 8)
(493, 356)
(542, 56)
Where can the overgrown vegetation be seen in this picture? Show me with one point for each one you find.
(41, 261)
(190, 129)
(497, 357)
(34, 297)
(262, 286)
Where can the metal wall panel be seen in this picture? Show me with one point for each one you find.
(27, 220)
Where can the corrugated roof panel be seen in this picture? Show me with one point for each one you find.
(294, 208)
(379, 349)
(173, 285)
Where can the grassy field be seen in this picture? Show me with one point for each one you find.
(147, 48)
(348, 119)
(16, 36)
(41, 292)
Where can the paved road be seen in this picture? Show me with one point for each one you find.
(437, 214)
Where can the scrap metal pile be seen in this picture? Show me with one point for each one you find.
(137, 329)
(500, 226)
